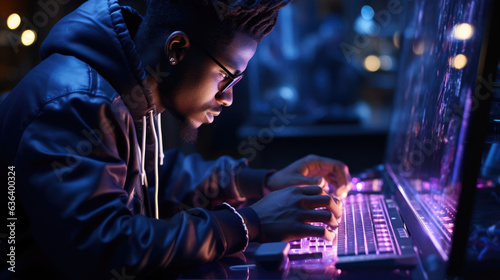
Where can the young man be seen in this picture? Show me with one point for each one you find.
(81, 137)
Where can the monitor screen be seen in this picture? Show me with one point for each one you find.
(435, 93)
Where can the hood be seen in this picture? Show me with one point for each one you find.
(98, 34)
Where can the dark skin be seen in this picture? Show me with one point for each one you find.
(192, 93)
(192, 89)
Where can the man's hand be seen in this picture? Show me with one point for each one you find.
(313, 170)
(286, 214)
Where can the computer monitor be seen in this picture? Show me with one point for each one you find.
(448, 58)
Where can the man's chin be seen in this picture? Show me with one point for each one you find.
(188, 132)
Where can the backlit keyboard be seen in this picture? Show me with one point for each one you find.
(363, 230)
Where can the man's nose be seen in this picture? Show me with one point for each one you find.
(225, 98)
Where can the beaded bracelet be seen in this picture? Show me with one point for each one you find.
(242, 222)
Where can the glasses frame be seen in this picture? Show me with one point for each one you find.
(233, 79)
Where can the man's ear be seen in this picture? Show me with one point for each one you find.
(176, 46)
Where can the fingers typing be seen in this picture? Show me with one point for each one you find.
(322, 200)
(318, 231)
(320, 216)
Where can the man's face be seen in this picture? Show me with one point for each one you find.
(194, 91)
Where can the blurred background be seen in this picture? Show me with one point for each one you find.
(322, 82)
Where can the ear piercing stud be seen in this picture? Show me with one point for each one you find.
(172, 60)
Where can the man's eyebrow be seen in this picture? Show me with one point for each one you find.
(230, 66)
(236, 72)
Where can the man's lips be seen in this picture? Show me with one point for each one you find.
(213, 112)
(211, 116)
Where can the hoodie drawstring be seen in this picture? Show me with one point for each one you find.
(160, 136)
(143, 153)
(158, 155)
(151, 120)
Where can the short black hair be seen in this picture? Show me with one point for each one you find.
(213, 20)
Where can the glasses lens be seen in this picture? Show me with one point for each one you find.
(232, 83)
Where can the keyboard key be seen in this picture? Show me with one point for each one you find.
(360, 231)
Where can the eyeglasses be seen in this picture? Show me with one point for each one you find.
(231, 78)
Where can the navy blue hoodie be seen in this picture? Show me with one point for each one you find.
(73, 132)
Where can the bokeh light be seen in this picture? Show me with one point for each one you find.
(372, 63)
(13, 21)
(463, 31)
(28, 37)
(459, 61)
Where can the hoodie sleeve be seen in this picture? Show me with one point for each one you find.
(71, 183)
(189, 181)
